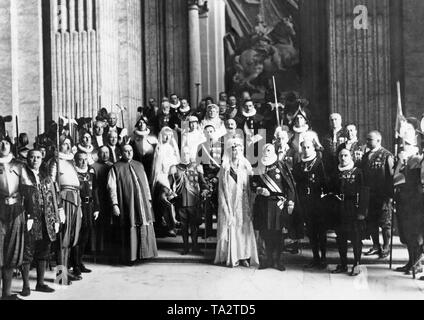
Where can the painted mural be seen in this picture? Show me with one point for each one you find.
(262, 42)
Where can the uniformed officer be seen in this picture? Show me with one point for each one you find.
(12, 219)
(311, 180)
(274, 207)
(187, 188)
(209, 155)
(378, 169)
(90, 210)
(351, 224)
(69, 187)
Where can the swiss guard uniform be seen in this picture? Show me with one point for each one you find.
(71, 201)
(311, 180)
(353, 208)
(12, 221)
(89, 205)
(378, 169)
(271, 217)
(187, 183)
(42, 206)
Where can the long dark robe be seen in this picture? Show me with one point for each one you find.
(138, 240)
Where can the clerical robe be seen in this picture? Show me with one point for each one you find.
(129, 189)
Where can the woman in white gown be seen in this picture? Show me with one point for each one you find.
(166, 155)
(236, 239)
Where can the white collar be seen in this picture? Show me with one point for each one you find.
(87, 150)
(349, 167)
(175, 106)
(310, 158)
(352, 141)
(268, 161)
(81, 170)
(250, 114)
(142, 133)
(6, 159)
(184, 110)
(63, 156)
(375, 150)
(301, 129)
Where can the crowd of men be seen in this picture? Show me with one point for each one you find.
(100, 188)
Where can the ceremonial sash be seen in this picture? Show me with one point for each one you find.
(273, 187)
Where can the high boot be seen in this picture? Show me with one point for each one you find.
(26, 291)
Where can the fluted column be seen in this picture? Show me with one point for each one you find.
(360, 77)
(21, 64)
(194, 51)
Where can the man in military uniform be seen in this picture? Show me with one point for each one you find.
(378, 170)
(274, 206)
(90, 210)
(12, 219)
(42, 209)
(209, 155)
(188, 186)
(69, 185)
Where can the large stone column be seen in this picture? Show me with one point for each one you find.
(194, 51)
(21, 64)
(216, 40)
(360, 72)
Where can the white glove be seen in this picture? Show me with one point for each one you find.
(62, 216)
(56, 227)
(116, 211)
(30, 223)
(290, 207)
(96, 215)
(265, 193)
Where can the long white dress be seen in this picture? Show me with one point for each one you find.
(236, 238)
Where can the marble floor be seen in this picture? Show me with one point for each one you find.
(165, 279)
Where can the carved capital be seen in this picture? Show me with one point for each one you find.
(202, 5)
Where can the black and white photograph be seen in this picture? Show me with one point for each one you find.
(200, 152)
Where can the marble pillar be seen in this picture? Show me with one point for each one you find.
(21, 64)
(194, 50)
(216, 46)
(205, 53)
